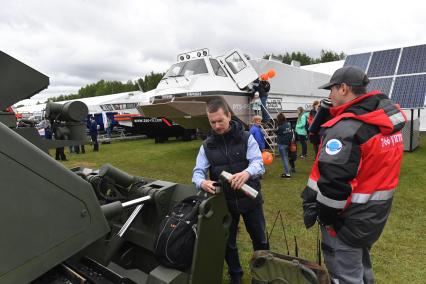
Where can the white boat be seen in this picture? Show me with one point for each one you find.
(198, 77)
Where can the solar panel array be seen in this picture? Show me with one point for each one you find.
(399, 73)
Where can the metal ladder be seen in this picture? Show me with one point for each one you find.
(268, 128)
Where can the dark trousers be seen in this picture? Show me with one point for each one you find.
(77, 149)
(302, 139)
(60, 154)
(95, 142)
(316, 146)
(255, 225)
(292, 157)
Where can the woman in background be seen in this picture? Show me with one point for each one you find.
(284, 137)
(301, 131)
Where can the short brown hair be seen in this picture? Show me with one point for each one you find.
(315, 103)
(358, 90)
(281, 118)
(216, 104)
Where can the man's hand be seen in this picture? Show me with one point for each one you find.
(327, 215)
(208, 185)
(237, 180)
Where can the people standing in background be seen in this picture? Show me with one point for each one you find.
(301, 132)
(77, 149)
(60, 151)
(71, 149)
(314, 138)
(109, 126)
(257, 132)
(60, 154)
(48, 130)
(284, 137)
(94, 133)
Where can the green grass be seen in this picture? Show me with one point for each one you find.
(398, 257)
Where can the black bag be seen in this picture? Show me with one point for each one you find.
(174, 243)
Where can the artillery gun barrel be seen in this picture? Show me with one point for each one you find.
(119, 176)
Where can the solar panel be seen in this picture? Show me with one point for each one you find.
(383, 63)
(383, 85)
(360, 60)
(413, 60)
(410, 91)
(408, 84)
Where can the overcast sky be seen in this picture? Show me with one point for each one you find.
(80, 42)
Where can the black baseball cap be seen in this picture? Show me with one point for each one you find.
(350, 75)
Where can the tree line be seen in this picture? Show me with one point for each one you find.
(103, 87)
(304, 59)
(150, 81)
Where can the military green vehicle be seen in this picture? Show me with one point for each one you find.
(84, 225)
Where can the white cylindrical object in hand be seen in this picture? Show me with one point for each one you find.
(248, 190)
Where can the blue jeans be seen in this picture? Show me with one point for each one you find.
(265, 115)
(255, 225)
(284, 157)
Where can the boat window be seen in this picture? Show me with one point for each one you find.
(187, 68)
(235, 62)
(217, 69)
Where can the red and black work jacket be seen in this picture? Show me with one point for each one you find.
(356, 171)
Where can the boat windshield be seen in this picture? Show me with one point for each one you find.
(187, 68)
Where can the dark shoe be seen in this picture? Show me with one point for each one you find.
(293, 170)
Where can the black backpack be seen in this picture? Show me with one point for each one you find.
(174, 243)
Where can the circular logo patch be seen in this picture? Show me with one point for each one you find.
(333, 146)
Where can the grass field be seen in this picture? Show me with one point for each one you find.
(398, 257)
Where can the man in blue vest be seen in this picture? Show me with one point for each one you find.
(230, 148)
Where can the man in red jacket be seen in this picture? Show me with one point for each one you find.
(353, 180)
